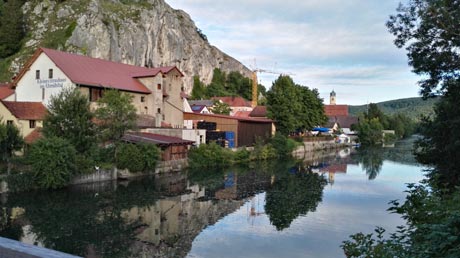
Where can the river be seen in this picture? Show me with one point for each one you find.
(279, 209)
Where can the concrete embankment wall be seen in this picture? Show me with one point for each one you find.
(313, 146)
(102, 175)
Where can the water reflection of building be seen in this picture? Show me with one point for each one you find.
(172, 223)
(240, 186)
(331, 163)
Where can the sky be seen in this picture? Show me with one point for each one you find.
(340, 45)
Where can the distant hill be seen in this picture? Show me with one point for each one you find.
(412, 107)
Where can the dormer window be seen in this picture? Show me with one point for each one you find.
(50, 74)
(37, 74)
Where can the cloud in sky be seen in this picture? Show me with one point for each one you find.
(327, 44)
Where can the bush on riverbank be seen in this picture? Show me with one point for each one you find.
(212, 155)
(137, 158)
(53, 162)
(431, 231)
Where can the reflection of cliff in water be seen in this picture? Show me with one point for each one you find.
(154, 217)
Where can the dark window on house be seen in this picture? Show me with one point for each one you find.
(159, 86)
(9, 122)
(31, 123)
(142, 99)
(50, 73)
(37, 74)
(43, 93)
(95, 94)
(159, 110)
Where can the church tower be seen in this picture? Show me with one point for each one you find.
(332, 98)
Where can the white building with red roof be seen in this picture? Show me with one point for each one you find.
(156, 92)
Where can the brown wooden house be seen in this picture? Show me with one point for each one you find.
(172, 148)
(246, 129)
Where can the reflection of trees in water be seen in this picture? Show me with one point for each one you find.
(85, 223)
(371, 160)
(293, 195)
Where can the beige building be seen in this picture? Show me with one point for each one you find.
(26, 116)
(156, 92)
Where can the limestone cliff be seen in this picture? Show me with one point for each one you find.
(139, 32)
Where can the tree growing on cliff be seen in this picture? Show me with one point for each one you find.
(12, 29)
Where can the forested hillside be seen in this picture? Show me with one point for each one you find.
(411, 107)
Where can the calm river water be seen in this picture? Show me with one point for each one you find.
(277, 209)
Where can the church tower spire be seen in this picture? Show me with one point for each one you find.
(332, 99)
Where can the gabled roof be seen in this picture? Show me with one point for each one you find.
(5, 90)
(343, 121)
(97, 72)
(242, 113)
(234, 101)
(206, 102)
(242, 119)
(140, 137)
(259, 111)
(336, 110)
(26, 110)
(197, 108)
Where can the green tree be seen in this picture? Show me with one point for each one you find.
(370, 131)
(53, 161)
(294, 106)
(12, 29)
(217, 85)
(10, 141)
(430, 32)
(116, 115)
(199, 89)
(69, 117)
(221, 108)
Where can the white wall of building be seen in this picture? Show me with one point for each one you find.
(32, 90)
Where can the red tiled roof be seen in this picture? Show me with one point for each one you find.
(243, 119)
(336, 110)
(155, 139)
(234, 101)
(242, 114)
(26, 110)
(33, 136)
(96, 72)
(259, 111)
(5, 90)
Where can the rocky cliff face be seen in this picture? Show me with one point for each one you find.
(139, 32)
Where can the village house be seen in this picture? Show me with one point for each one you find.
(338, 117)
(26, 116)
(156, 92)
(246, 130)
(237, 104)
